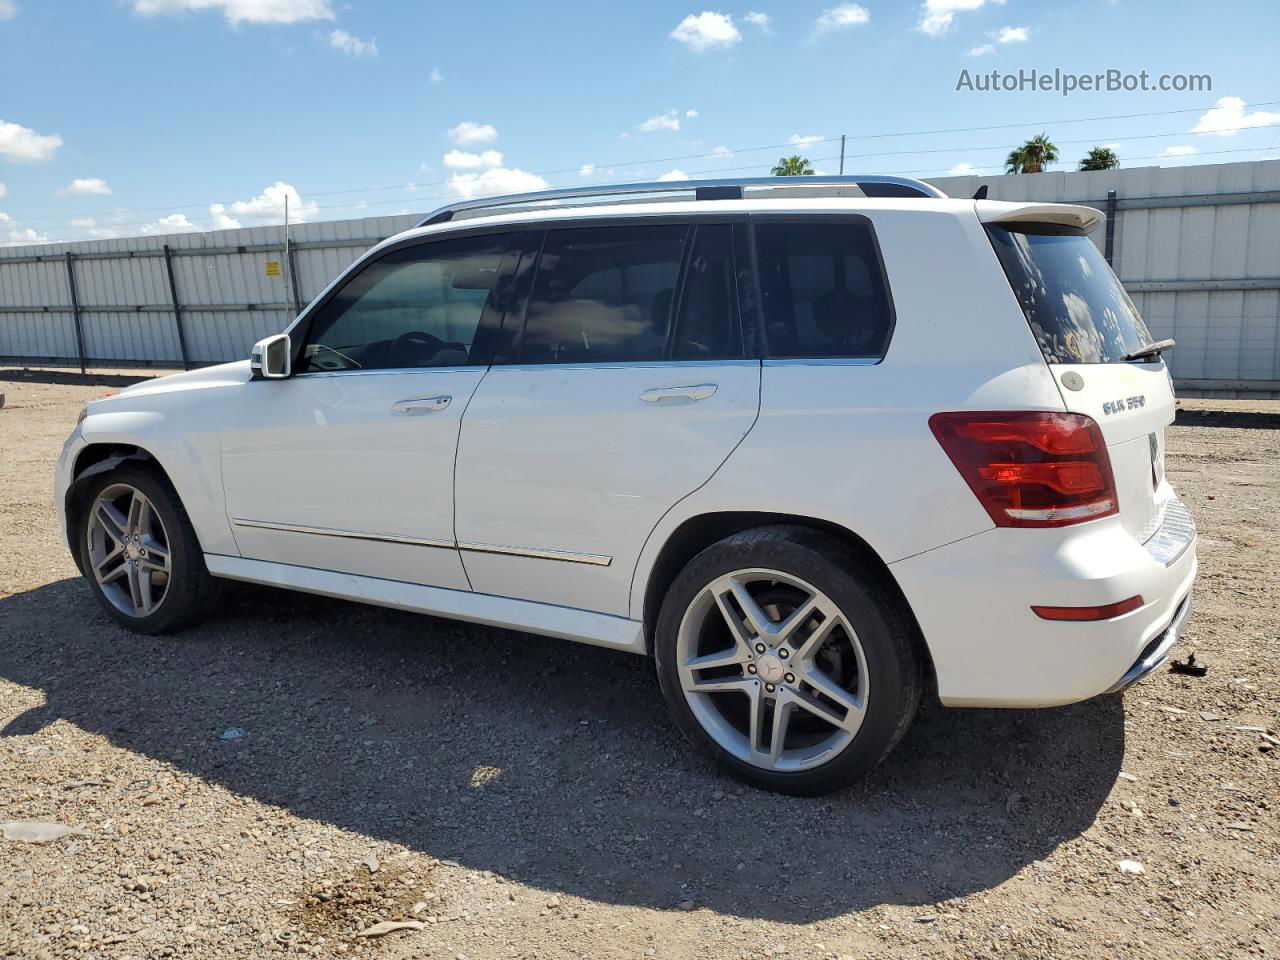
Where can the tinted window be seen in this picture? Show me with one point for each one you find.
(1077, 308)
(603, 294)
(708, 325)
(823, 291)
(417, 307)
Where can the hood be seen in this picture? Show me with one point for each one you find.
(222, 374)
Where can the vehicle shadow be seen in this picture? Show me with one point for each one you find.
(76, 379)
(548, 762)
(1239, 419)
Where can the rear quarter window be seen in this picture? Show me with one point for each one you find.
(823, 289)
(1077, 308)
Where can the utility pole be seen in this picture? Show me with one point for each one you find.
(842, 154)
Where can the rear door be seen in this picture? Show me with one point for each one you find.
(620, 387)
(1086, 325)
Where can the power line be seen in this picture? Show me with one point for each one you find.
(410, 187)
(675, 184)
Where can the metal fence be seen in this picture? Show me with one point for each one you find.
(1198, 248)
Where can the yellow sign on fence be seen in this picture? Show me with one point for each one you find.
(273, 268)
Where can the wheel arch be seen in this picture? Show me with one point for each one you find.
(93, 460)
(696, 533)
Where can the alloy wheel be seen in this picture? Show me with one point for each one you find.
(772, 669)
(128, 550)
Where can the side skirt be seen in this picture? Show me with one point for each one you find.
(582, 626)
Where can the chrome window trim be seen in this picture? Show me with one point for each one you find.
(629, 364)
(567, 556)
(823, 361)
(345, 534)
(361, 371)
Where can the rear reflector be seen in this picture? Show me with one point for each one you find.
(1108, 612)
(1031, 469)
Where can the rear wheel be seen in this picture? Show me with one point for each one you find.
(141, 556)
(784, 663)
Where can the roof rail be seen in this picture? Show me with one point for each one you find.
(734, 189)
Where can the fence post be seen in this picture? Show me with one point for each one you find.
(75, 312)
(1109, 249)
(177, 308)
(293, 281)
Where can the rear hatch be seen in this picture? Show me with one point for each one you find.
(1086, 326)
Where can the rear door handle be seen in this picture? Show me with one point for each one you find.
(698, 391)
(421, 405)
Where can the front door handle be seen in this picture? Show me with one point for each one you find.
(421, 405)
(699, 391)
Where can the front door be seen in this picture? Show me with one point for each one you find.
(625, 388)
(348, 465)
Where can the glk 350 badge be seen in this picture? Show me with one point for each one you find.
(1123, 404)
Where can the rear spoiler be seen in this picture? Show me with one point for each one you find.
(1066, 214)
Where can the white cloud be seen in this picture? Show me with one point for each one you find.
(173, 223)
(436, 75)
(760, 20)
(1013, 35)
(267, 207)
(1179, 150)
(25, 235)
(984, 50)
(587, 170)
(243, 11)
(707, 30)
(722, 152)
(663, 121)
(796, 140)
(673, 175)
(961, 169)
(461, 160)
(23, 145)
(495, 182)
(87, 186)
(353, 45)
(4, 217)
(691, 114)
(83, 222)
(1229, 117)
(842, 16)
(937, 16)
(3, 191)
(89, 227)
(8, 9)
(469, 132)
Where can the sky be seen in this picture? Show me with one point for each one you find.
(124, 117)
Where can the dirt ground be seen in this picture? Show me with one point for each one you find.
(525, 797)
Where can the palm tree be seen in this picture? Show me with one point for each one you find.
(1032, 157)
(793, 166)
(1100, 158)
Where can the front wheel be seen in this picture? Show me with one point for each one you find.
(785, 662)
(141, 556)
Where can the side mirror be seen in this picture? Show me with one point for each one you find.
(272, 358)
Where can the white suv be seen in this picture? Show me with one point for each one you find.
(814, 445)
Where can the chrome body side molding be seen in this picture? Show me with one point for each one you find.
(536, 553)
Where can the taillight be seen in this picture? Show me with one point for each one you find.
(1031, 469)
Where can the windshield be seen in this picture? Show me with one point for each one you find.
(1076, 306)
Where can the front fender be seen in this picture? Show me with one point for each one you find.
(187, 450)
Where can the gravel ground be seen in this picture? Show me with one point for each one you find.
(524, 797)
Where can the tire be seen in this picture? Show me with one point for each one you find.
(175, 597)
(846, 677)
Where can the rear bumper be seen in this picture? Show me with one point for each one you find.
(973, 601)
(1157, 651)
